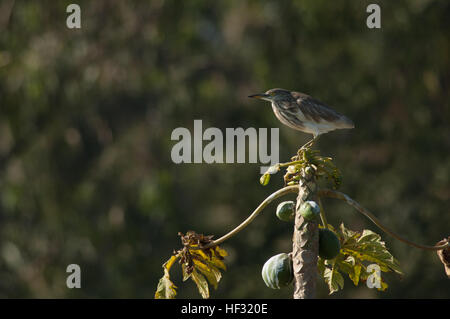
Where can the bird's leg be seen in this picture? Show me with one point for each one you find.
(310, 143)
(302, 149)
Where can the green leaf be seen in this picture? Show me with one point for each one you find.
(321, 266)
(347, 235)
(333, 278)
(357, 250)
(351, 267)
(370, 247)
(354, 276)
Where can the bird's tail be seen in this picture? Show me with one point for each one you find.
(345, 122)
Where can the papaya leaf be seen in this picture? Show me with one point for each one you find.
(220, 251)
(357, 250)
(210, 272)
(166, 289)
(347, 236)
(352, 268)
(210, 263)
(186, 273)
(321, 266)
(202, 284)
(213, 256)
(333, 278)
(218, 263)
(370, 247)
(354, 276)
(202, 265)
(384, 285)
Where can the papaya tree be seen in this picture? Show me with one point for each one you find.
(318, 248)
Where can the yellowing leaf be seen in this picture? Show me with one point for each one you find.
(199, 253)
(202, 284)
(370, 247)
(355, 275)
(211, 273)
(214, 260)
(384, 286)
(220, 251)
(202, 265)
(166, 289)
(218, 263)
(186, 274)
(206, 268)
(334, 279)
(357, 248)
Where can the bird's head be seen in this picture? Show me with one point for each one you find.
(274, 95)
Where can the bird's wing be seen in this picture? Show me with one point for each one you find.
(316, 110)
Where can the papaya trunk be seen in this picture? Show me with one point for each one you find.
(305, 248)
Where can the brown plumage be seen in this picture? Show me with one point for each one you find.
(304, 113)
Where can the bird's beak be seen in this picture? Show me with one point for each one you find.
(261, 96)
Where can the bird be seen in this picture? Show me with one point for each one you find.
(304, 113)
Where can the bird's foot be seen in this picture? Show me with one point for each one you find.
(308, 145)
(305, 147)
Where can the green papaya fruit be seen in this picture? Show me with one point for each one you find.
(329, 245)
(310, 210)
(286, 211)
(277, 271)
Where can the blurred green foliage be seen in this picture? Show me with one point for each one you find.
(86, 118)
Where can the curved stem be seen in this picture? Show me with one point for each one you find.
(338, 195)
(245, 223)
(322, 213)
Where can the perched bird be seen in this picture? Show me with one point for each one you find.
(304, 113)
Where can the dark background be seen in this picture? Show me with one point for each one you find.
(86, 118)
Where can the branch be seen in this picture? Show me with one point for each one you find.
(245, 223)
(338, 195)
